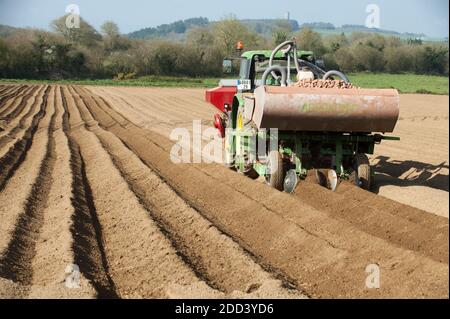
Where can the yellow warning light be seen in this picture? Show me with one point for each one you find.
(239, 45)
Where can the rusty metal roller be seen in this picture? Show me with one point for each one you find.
(326, 109)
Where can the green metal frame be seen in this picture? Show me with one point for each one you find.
(337, 145)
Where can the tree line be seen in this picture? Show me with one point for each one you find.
(84, 52)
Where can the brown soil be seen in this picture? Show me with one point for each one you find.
(86, 179)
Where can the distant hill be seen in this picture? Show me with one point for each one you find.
(267, 26)
(177, 29)
(350, 28)
(164, 30)
(6, 30)
(318, 25)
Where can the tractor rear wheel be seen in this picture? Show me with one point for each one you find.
(361, 175)
(275, 170)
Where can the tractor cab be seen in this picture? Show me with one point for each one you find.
(254, 63)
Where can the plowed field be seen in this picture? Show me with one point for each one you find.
(88, 192)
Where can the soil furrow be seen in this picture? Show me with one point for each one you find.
(14, 101)
(426, 236)
(91, 197)
(136, 112)
(278, 238)
(9, 88)
(15, 264)
(17, 153)
(212, 254)
(390, 206)
(19, 103)
(3, 88)
(87, 238)
(16, 259)
(54, 261)
(17, 126)
(141, 260)
(10, 95)
(404, 226)
(18, 187)
(417, 230)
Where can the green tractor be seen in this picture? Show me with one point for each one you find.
(285, 116)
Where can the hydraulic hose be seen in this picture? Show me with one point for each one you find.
(271, 69)
(337, 73)
(291, 45)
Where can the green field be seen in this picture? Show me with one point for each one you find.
(156, 81)
(405, 83)
(349, 31)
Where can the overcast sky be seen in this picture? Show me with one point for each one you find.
(418, 16)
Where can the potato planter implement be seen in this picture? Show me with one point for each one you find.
(286, 116)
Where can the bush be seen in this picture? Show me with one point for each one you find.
(119, 62)
(84, 53)
(431, 60)
(310, 40)
(3, 58)
(367, 58)
(228, 32)
(335, 42)
(398, 59)
(330, 61)
(345, 60)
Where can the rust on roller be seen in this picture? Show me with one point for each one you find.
(326, 109)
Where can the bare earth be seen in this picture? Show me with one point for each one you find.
(415, 170)
(87, 183)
